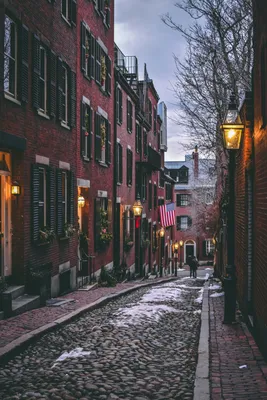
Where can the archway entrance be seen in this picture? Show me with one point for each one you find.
(189, 249)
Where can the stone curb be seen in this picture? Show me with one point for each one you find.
(202, 387)
(18, 344)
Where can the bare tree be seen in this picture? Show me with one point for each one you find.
(218, 60)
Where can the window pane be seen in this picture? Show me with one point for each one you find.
(10, 56)
(184, 223)
(64, 7)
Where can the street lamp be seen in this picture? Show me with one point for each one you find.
(161, 237)
(181, 243)
(232, 129)
(137, 210)
(176, 247)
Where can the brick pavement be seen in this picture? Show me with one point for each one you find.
(230, 347)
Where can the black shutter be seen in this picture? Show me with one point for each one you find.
(204, 248)
(36, 71)
(83, 47)
(59, 203)
(35, 203)
(131, 116)
(108, 142)
(92, 57)
(83, 128)
(108, 80)
(178, 223)
(120, 106)
(97, 137)
(59, 88)
(97, 223)
(97, 62)
(120, 163)
(128, 117)
(90, 134)
(145, 143)
(155, 195)
(73, 11)
(24, 72)
(109, 212)
(189, 219)
(150, 196)
(71, 198)
(51, 190)
(108, 16)
(72, 99)
(52, 84)
(129, 167)
(178, 200)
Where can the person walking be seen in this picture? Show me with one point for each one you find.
(194, 267)
(190, 263)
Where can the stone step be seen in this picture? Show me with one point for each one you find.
(25, 303)
(15, 291)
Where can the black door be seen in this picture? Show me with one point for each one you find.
(189, 251)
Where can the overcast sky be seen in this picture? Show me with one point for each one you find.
(140, 32)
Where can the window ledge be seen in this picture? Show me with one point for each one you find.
(119, 183)
(65, 19)
(64, 125)
(10, 98)
(42, 114)
(64, 238)
(103, 164)
(119, 122)
(87, 77)
(103, 91)
(86, 159)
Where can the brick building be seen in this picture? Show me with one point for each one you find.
(37, 137)
(194, 197)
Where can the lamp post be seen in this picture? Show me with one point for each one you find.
(137, 210)
(181, 243)
(232, 129)
(161, 237)
(176, 247)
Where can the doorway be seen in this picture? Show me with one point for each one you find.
(190, 249)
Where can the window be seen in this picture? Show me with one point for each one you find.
(129, 167)
(86, 131)
(183, 200)
(102, 139)
(103, 8)
(65, 200)
(168, 191)
(68, 10)
(129, 116)
(144, 187)
(103, 217)
(145, 143)
(119, 106)
(155, 121)
(137, 138)
(87, 52)
(154, 238)
(155, 196)
(43, 103)
(119, 163)
(208, 248)
(11, 57)
(150, 196)
(161, 179)
(66, 94)
(102, 68)
(128, 225)
(183, 175)
(183, 222)
(43, 200)
(149, 112)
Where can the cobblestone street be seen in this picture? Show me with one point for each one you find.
(140, 346)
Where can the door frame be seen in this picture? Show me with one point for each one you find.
(189, 244)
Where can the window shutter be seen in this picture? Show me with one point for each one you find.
(83, 128)
(108, 142)
(83, 49)
(108, 80)
(97, 137)
(90, 137)
(59, 88)
(92, 57)
(36, 71)
(128, 117)
(71, 198)
(97, 223)
(24, 72)
(52, 83)
(178, 223)
(178, 200)
(97, 62)
(131, 116)
(129, 167)
(108, 16)
(109, 211)
(51, 207)
(145, 143)
(120, 164)
(73, 11)
(59, 203)
(72, 99)
(150, 196)
(35, 202)
(204, 249)
(189, 219)
(120, 106)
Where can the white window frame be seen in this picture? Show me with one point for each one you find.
(210, 247)
(65, 202)
(65, 94)
(15, 60)
(44, 203)
(68, 6)
(44, 110)
(184, 222)
(86, 138)
(186, 202)
(87, 60)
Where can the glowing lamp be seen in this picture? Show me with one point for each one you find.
(15, 189)
(232, 126)
(181, 243)
(137, 207)
(81, 201)
(162, 232)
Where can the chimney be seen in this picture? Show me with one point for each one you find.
(195, 157)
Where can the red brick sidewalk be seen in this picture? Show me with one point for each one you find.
(19, 325)
(230, 347)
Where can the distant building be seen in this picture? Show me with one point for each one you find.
(194, 197)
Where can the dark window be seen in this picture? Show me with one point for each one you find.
(102, 139)
(129, 167)
(168, 191)
(65, 200)
(68, 10)
(155, 196)
(119, 106)
(161, 179)
(86, 131)
(43, 80)
(144, 187)
(66, 94)
(150, 196)
(137, 138)
(154, 238)
(129, 116)
(119, 163)
(155, 121)
(145, 143)
(183, 222)
(183, 175)
(183, 200)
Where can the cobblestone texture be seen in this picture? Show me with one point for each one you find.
(132, 357)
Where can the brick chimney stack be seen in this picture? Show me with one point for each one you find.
(196, 164)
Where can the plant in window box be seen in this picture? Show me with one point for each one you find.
(103, 135)
(46, 235)
(103, 70)
(69, 230)
(105, 236)
(87, 125)
(128, 243)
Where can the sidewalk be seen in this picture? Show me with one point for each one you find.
(232, 346)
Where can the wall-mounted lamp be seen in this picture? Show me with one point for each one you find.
(181, 243)
(232, 126)
(81, 201)
(15, 189)
(137, 207)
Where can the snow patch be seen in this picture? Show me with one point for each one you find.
(200, 296)
(162, 294)
(217, 294)
(77, 352)
(215, 287)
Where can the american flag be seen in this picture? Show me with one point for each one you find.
(167, 214)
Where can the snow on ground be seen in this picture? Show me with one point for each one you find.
(217, 294)
(161, 294)
(200, 296)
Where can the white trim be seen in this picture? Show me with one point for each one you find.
(118, 200)
(119, 86)
(129, 147)
(127, 207)
(85, 183)
(137, 122)
(86, 101)
(9, 97)
(149, 220)
(102, 45)
(149, 144)
(41, 160)
(129, 98)
(118, 140)
(149, 181)
(64, 267)
(155, 183)
(154, 222)
(102, 193)
(64, 165)
(102, 112)
(143, 215)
